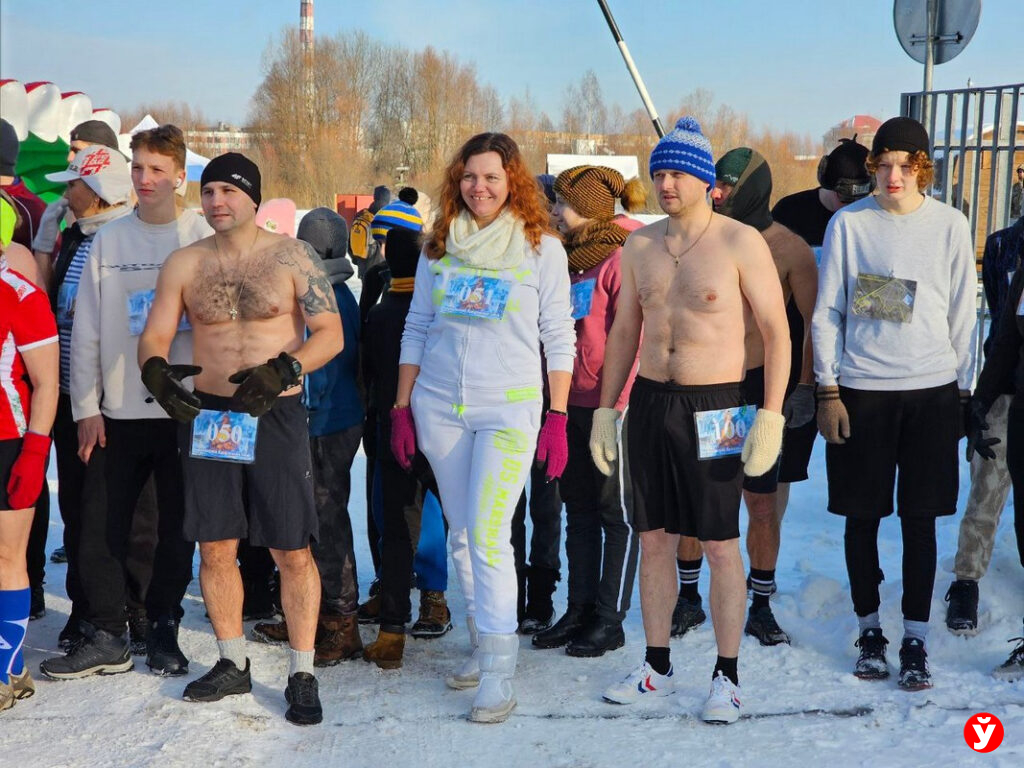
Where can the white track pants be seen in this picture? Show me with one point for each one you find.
(481, 452)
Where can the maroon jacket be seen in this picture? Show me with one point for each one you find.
(30, 209)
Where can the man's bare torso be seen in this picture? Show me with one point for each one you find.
(693, 313)
(259, 290)
(783, 244)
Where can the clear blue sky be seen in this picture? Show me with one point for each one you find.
(800, 65)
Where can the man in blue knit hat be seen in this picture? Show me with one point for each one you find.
(689, 281)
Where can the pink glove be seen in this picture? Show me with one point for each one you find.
(553, 445)
(403, 437)
(27, 474)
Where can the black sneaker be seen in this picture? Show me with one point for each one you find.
(962, 614)
(100, 653)
(871, 664)
(560, 633)
(59, 555)
(688, 614)
(596, 638)
(303, 697)
(225, 679)
(762, 625)
(914, 674)
(164, 655)
(531, 625)
(37, 608)
(1012, 669)
(138, 630)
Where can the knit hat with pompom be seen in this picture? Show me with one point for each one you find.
(685, 149)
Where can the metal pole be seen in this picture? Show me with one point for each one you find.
(637, 80)
(929, 62)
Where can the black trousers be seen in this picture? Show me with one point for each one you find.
(546, 516)
(135, 450)
(1015, 464)
(596, 507)
(861, 546)
(35, 553)
(334, 550)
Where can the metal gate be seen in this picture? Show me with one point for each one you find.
(977, 141)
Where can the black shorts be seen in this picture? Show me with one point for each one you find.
(797, 446)
(914, 431)
(753, 394)
(672, 489)
(269, 502)
(9, 452)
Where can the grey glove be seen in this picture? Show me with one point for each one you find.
(49, 225)
(799, 406)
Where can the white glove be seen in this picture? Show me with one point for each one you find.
(604, 439)
(49, 225)
(763, 443)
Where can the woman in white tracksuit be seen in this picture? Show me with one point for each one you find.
(491, 288)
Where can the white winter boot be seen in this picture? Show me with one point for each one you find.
(468, 675)
(495, 698)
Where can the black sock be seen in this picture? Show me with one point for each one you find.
(761, 582)
(728, 668)
(689, 578)
(658, 658)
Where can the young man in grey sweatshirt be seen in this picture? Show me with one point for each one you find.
(893, 357)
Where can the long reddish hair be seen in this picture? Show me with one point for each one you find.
(525, 198)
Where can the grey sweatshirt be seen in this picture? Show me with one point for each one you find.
(930, 250)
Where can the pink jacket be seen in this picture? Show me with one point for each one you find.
(592, 330)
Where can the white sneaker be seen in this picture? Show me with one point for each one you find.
(723, 704)
(640, 682)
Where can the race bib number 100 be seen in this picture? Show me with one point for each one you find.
(224, 436)
(723, 432)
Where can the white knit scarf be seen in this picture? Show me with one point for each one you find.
(499, 245)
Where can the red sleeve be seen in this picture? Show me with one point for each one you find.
(33, 324)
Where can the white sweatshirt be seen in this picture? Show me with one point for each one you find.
(931, 247)
(486, 353)
(124, 262)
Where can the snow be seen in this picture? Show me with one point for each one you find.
(802, 704)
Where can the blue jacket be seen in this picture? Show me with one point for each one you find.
(332, 395)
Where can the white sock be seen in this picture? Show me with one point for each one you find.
(233, 650)
(300, 661)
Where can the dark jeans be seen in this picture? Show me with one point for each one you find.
(546, 516)
(861, 545)
(601, 573)
(370, 449)
(334, 550)
(35, 553)
(135, 450)
(1015, 464)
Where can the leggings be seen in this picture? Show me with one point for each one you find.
(861, 544)
(481, 447)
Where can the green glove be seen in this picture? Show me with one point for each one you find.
(259, 387)
(164, 381)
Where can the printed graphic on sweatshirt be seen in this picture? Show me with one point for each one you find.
(884, 298)
(476, 296)
(723, 432)
(224, 436)
(582, 295)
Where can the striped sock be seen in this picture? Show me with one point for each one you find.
(763, 584)
(689, 578)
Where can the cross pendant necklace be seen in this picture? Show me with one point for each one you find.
(691, 246)
(233, 308)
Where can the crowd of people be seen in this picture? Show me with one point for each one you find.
(207, 378)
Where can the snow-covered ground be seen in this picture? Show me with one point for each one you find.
(802, 704)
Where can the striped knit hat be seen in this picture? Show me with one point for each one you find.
(590, 190)
(395, 214)
(685, 149)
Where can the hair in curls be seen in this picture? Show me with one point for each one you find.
(525, 198)
(919, 161)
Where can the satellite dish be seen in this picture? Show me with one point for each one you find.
(955, 24)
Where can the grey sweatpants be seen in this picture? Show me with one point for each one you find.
(990, 487)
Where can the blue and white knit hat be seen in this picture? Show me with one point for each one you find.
(395, 214)
(685, 149)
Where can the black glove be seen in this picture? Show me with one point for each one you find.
(164, 381)
(976, 427)
(259, 387)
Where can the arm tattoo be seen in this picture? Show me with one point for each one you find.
(319, 295)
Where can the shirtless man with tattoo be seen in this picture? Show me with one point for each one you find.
(249, 296)
(694, 282)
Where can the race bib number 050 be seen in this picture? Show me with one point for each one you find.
(723, 432)
(224, 436)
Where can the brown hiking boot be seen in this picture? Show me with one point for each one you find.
(386, 651)
(435, 618)
(270, 632)
(337, 639)
(369, 612)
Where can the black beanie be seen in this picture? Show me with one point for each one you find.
(8, 148)
(234, 168)
(95, 132)
(900, 134)
(402, 251)
(326, 231)
(408, 195)
(846, 162)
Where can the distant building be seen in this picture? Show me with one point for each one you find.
(865, 126)
(218, 139)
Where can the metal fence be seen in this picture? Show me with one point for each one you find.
(977, 141)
